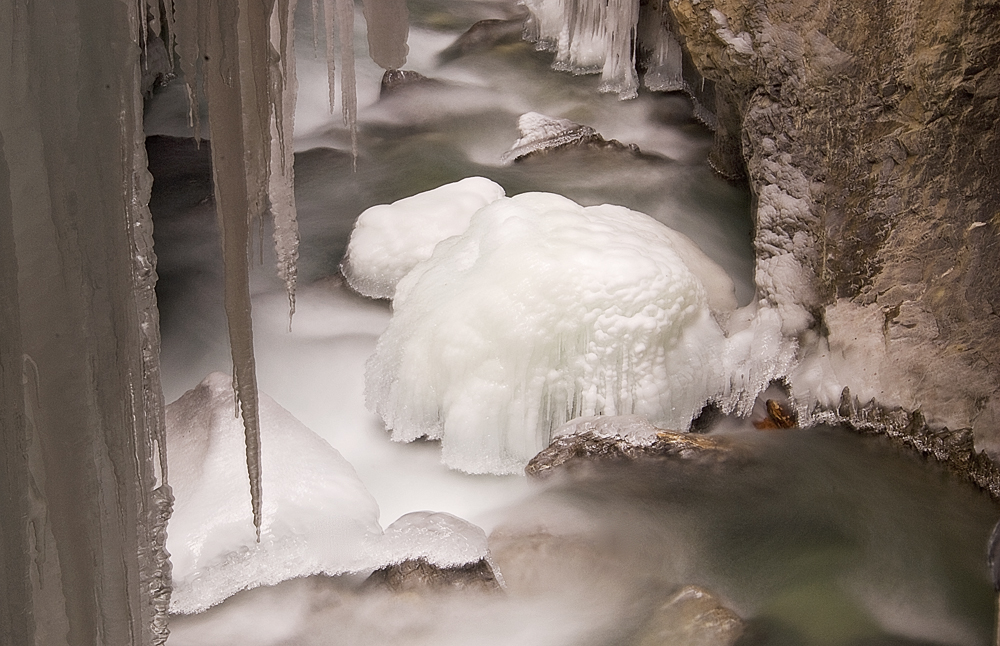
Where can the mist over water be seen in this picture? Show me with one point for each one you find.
(816, 536)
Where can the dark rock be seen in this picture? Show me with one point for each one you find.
(418, 575)
(395, 80)
(485, 35)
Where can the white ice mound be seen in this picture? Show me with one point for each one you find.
(437, 537)
(317, 515)
(540, 312)
(389, 239)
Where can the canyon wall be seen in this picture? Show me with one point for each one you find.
(869, 134)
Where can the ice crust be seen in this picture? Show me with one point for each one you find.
(390, 239)
(543, 311)
(317, 516)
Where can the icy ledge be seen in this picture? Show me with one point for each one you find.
(541, 311)
(318, 518)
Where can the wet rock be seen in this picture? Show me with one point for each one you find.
(485, 35)
(624, 437)
(692, 617)
(395, 80)
(419, 575)
(779, 415)
(541, 135)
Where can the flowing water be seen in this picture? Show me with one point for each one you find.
(818, 536)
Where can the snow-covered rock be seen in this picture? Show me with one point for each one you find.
(317, 515)
(542, 311)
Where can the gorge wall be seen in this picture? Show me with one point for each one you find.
(869, 134)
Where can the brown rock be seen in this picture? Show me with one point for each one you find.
(418, 575)
(692, 617)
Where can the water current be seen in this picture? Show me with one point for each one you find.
(815, 536)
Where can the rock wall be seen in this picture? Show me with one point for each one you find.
(869, 134)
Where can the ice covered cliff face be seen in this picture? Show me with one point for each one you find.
(541, 311)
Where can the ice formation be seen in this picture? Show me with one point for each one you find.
(317, 516)
(540, 312)
(388, 26)
(390, 239)
(589, 37)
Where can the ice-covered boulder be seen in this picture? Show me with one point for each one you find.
(541, 311)
(317, 515)
(389, 239)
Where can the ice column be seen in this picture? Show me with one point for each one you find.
(80, 551)
(388, 26)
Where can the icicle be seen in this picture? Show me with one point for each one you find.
(388, 27)
(315, 26)
(331, 65)
(281, 194)
(619, 66)
(666, 67)
(344, 15)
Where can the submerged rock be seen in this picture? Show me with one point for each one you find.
(541, 135)
(692, 617)
(485, 35)
(395, 80)
(620, 437)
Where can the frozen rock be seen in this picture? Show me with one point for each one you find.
(390, 239)
(541, 134)
(395, 80)
(437, 538)
(540, 312)
(621, 437)
(317, 515)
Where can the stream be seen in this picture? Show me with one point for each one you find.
(814, 536)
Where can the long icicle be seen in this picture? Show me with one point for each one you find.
(281, 192)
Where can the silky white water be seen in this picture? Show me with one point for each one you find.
(823, 538)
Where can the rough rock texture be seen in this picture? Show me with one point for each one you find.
(870, 138)
(418, 575)
(589, 446)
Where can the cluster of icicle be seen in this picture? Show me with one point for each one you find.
(603, 36)
(238, 56)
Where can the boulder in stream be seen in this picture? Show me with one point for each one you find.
(541, 135)
(692, 617)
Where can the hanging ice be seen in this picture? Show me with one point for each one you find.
(589, 37)
(317, 517)
(540, 312)
(388, 26)
(390, 239)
